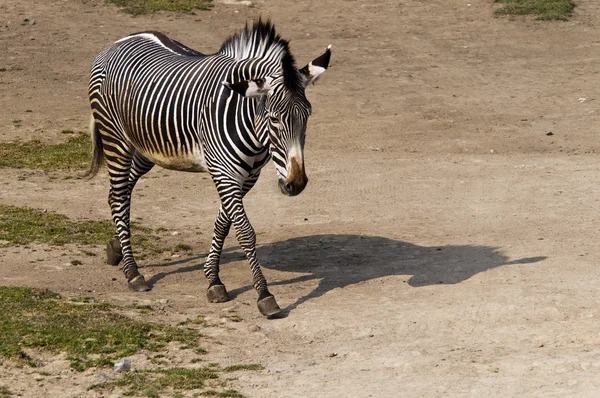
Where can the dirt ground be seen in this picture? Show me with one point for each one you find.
(446, 244)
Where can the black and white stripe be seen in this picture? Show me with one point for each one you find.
(156, 101)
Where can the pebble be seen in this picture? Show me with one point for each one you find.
(123, 365)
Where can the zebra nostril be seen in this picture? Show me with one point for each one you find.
(289, 186)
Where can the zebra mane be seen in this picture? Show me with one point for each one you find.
(260, 41)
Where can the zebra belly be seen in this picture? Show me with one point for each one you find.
(193, 161)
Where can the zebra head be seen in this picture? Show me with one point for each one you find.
(286, 112)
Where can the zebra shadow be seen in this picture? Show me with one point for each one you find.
(337, 261)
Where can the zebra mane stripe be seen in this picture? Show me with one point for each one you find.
(260, 40)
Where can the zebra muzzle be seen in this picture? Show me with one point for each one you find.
(296, 181)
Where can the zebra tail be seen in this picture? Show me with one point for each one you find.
(97, 151)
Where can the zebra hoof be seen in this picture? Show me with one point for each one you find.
(268, 306)
(113, 252)
(138, 284)
(217, 294)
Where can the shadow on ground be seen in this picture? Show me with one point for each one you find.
(342, 260)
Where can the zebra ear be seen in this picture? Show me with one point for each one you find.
(251, 88)
(316, 67)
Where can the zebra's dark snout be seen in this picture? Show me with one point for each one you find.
(292, 188)
(296, 181)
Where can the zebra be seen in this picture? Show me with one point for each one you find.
(155, 101)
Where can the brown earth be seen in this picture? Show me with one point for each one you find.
(446, 244)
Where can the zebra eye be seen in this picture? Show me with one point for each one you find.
(273, 120)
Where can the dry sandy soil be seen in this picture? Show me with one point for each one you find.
(446, 245)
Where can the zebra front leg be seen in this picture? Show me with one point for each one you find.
(216, 292)
(247, 240)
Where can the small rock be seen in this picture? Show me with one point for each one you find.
(113, 279)
(162, 301)
(549, 133)
(76, 262)
(123, 365)
(492, 151)
(333, 355)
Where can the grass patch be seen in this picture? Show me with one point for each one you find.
(182, 247)
(5, 392)
(71, 155)
(22, 225)
(91, 334)
(226, 393)
(252, 366)
(544, 9)
(151, 383)
(139, 7)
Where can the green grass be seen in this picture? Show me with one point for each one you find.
(544, 9)
(71, 155)
(252, 366)
(139, 7)
(22, 225)
(151, 383)
(90, 334)
(226, 393)
(5, 392)
(182, 247)
(94, 334)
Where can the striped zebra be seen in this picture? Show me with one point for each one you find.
(156, 101)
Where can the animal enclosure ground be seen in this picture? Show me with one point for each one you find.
(446, 243)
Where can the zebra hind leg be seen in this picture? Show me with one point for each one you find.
(124, 169)
(139, 166)
(216, 292)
